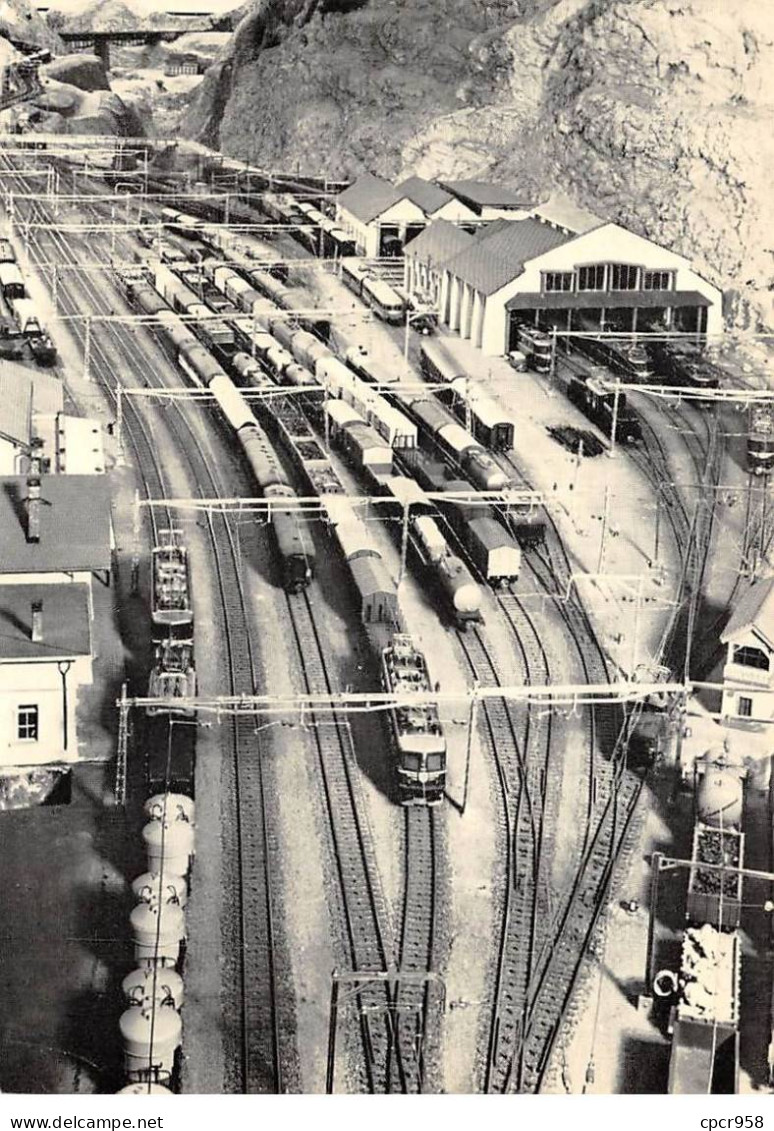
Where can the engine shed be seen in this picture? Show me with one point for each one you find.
(562, 268)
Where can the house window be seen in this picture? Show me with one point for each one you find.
(751, 658)
(591, 278)
(557, 281)
(27, 723)
(657, 281)
(744, 707)
(623, 277)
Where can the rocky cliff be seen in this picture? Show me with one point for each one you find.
(654, 112)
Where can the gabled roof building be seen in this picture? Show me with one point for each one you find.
(539, 271)
(381, 217)
(748, 674)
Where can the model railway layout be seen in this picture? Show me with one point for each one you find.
(356, 529)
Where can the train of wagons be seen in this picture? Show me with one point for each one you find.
(150, 1025)
(374, 587)
(397, 417)
(704, 993)
(19, 317)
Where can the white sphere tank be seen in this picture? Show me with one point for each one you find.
(169, 846)
(138, 986)
(720, 799)
(158, 929)
(145, 1056)
(172, 806)
(143, 1089)
(152, 885)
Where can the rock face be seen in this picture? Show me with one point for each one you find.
(86, 72)
(653, 112)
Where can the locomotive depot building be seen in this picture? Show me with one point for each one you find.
(491, 263)
(489, 282)
(381, 217)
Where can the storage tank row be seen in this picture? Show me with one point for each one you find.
(151, 1026)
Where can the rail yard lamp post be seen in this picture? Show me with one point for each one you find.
(472, 723)
(614, 423)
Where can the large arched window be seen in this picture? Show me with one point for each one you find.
(751, 658)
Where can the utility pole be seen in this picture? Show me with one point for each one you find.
(404, 541)
(552, 365)
(605, 518)
(472, 724)
(614, 425)
(87, 351)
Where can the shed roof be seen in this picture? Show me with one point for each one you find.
(565, 213)
(24, 392)
(480, 194)
(65, 622)
(426, 195)
(368, 197)
(497, 256)
(753, 610)
(440, 241)
(15, 409)
(74, 525)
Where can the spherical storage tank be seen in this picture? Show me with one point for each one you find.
(720, 798)
(144, 1055)
(138, 987)
(173, 806)
(169, 846)
(166, 888)
(158, 929)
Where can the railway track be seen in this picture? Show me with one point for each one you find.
(387, 1060)
(519, 742)
(418, 1002)
(397, 1064)
(258, 1058)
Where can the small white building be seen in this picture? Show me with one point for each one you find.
(512, 272)
(488, 201)
(45, 658)
(381, 217)
(748, 674)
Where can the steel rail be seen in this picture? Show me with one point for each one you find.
(260, 1054)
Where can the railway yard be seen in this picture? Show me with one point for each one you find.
(412, 727)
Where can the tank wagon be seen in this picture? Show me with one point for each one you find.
(428, 547)
(487, 421)
(760, 439)
(441, 429)
(417, 735)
